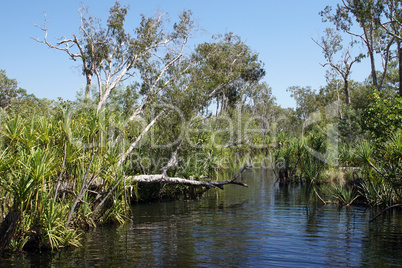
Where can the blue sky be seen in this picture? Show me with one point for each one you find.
(280, 31)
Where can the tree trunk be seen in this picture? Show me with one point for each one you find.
(159, 178)
(88, 77)
(8, 228)
(162, 178)
(400, 67)
(83, 189)
(370, 45)
(373, 73)
(347, 92)
(134, 144)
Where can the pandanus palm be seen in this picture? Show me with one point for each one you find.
(12, 131)
(378, 172)
(26, 171)
(394, 150)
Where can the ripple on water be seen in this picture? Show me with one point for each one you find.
(259, 226)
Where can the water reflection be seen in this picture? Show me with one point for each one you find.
(384, 238)
(239, 227)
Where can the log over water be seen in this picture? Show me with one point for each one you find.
(160, 178)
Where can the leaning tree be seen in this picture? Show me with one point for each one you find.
(169, 76)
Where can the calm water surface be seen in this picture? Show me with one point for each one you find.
(259, 226)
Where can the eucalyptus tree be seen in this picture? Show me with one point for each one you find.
(172, 89)
(113, 55)
(227, 68)
(262, 106)
(69, 166)
(261, 99)
(331, 44)
(306, 100)
(209, 73)
(391, 22)
(365, 14)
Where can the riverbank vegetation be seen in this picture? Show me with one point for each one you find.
(70, 165)
(364, 168)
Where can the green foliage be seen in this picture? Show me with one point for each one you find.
(27, 178)
(344, 195)
(347, 155)
(383, 116)
(229, 65)
(359, 97)
(52, 226)
(32, 150)
(305, 99)
(381, 170)
(10, 92)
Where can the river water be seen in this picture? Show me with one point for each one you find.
(258, 226)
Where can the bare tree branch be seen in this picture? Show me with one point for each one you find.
(134, 144)
(160, 178)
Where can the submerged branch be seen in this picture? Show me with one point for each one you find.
(384, 210)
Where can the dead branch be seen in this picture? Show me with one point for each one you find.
(384, 210)
(134, 144)
(62, 170)
(64, 45)
(173, 161)
(160, 178)
(83, 189)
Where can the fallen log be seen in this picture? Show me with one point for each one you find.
(161, 178)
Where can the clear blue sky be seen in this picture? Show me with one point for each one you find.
(280, 31)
